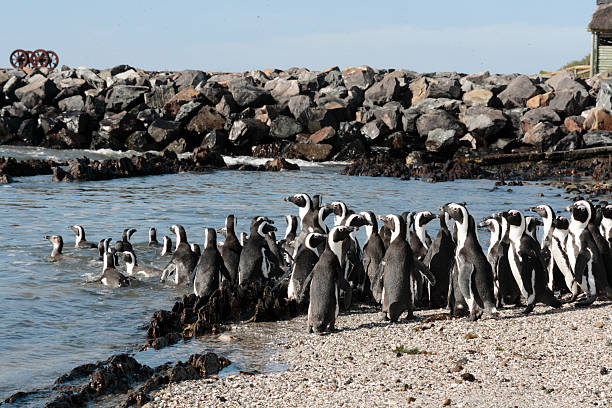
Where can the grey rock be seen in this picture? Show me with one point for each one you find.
(248, 132)
(29, 132)
(13, 83)
(189, 78)
(543, 136)
(335, 91)
(390, 115)
(444, 141)
(147, 116)
(573, 141)
(427, 104)
(163, 131)
(570, 101)
(74, 103)
(120, 125)
(299, 105)
(178, 146)
(439, 119)
(91, 78)
(159, 96)
(483, 121)
(213, 92)
(227, 105)
(125, 97)
(205, 120)
(284, 127)
(95, 106)
(78, 122)
(36, 93)
(535, 116)
(597, 138)
(383, 92)
(434, 88)
(375, 130)
(307, 151)
(140, 141)
(187, 111)
(518, 92)
(360, 77)
(247, 95)
(216, 140)
(311, 81)
(604, 97)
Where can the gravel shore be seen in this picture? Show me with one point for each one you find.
(550, 358)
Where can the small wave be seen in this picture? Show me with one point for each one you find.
(255, 161)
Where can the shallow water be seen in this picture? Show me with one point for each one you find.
(52, 319)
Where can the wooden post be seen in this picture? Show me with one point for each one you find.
(592, 73)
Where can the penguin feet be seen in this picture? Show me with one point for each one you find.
(309, 330)
(587, 301)
(475, 315)
(383, 316)
(332, 328)
(409, 317)
(528, 309)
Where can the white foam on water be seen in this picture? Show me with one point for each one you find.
(257, 161)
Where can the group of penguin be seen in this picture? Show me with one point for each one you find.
(399, 267)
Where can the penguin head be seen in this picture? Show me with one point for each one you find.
(56, 240)
(325, 211)
(606, 211)
(339, 208)
(210, 238)
(370, 218)
(317, 199)
(581, 211)
(561, 223)
(313, 240)
(292, 224)
(195, 248)
(356, 220)
(130, 232)
(515, 218)
(263, 227)
(78, 230)
(423, 217)
(544, 211)
(397, 225)
(301, 200)
(457, 212)
(179, 233)
(129, 257)
(340, 232)
(152, 234)
(532, 224)
(230, 222)
(488, 223)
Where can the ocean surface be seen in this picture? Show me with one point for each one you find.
(53, 318)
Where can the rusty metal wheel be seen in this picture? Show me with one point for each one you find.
(40, 59)
(19, 59)
(53, 59)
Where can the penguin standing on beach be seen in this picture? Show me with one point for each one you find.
(527, 264)
(558, 245)
(305, 260)
(373, 253)
(439, 259)
(183, 260)
(210, 267)
(80, 240)
(474, 274)
(231, 249)
(325, 282)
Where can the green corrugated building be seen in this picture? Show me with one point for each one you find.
(601, 38)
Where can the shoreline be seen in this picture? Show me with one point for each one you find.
(550, 358)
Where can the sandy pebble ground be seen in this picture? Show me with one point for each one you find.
(552, 358)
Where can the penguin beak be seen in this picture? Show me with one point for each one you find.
(46, 237)
(221, 230)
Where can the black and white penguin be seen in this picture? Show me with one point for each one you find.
(125, 244)
(80, 241)
(210, 267)
(548, 217)
(531, 227)
(183, 260)
(397, 267)
(341, 212)
(583, 254)
(197, 251)
(111, 277)
(558, 245)
(58, 245)
(373, 253)
(254, 264)
(325, 282)
(305, 209)
(603, 246)
(290, 233)
(305, 260)
(133, 269)
(440, 259)
(231, 249)
(606, 223)
(527, 264)
(352, 264)
(385, 235)
(474, 274)
(166, 246)
(419, 239)
(153, 242)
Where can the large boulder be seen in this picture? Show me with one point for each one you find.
(604, 97)
(383, 92)
(540, 100)
(326, 135)
(186, 95)
(434, 88)
(443, 141)
(574, 124)
(36, 93)
(375, 130)
(205, 120)
(125, 97)
(598, 119)
(190, 78)
(159, 96)
(299, 105)
(164, 132)
(282, 89)
(187, 111)
(535, 116)
(483, 121)
(572, 141)
(543, 135)
(360, 77)
(284, 127)
(570, 101)
(120, 125)
(391, 115)
(248, 95)
(518, 92)
(140, 141)
(307, 151)
(73, 103)
(248, 132)
(439, 119)
(216, 140)
(479, 97)
(597, 138)
(78, 122)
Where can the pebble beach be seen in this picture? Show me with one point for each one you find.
(550, 358)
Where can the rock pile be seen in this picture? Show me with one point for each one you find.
(297, 113)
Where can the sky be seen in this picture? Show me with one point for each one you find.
(502, 36)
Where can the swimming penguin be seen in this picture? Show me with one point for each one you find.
(474, 274)
(80, 241)
(305, 260)
(125, 244)
(254, 264)
(583, 254)
(133, 269)
(439, 259)
(58, 245)
(166, 246)
(558, 245)
(183, 260)
(230, 251)
(396, 269)
(153, 238)
(527, 264)
(210, 267)
(111, 277)
(325, 281)
(373, 253)
(195, 248)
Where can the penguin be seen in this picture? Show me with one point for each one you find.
(80, 241)
(419, 239)
(558, 245)
(305, 260)
(373, 253)
(254, 264)
(195, 248)
(58, 245)
(583, 254)
(111, 277)
(606, 223)
(439, 259)
(166, 246)
(125, 244)
(396, 269)
(474, 274)
(153, 238)
(210, 267)
(603, 246)
(290, 233)
(230, 251)
(505, 287)
(527, 264)
(385, 235)
(133, 269)
(548, 217)
(325, 281)
(305, 211)
(352, 259)
(183, 260)
(341, 212)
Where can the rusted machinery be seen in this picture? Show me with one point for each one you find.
(34, 59)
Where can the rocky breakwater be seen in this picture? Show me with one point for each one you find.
(356, 113)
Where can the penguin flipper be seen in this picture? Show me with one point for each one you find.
(582, 260)
(465, 278)
(376, 286)
(167, 271)
(305, 288)
(424, 270)
(343, 284)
